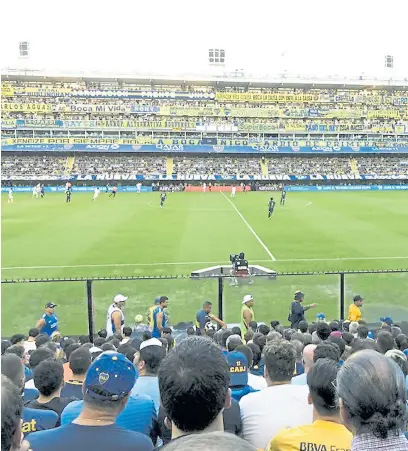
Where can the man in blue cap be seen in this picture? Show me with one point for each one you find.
(48, 323)
(387, 321)
(297, 310)
(238, 366)
(95, 422)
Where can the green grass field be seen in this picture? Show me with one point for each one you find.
(132, 236)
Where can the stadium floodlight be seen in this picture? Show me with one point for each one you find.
(389, 61)
(216, 56)
(24, 48)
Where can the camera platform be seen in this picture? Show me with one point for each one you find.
(225, 270)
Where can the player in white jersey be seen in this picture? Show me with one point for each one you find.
(139, 187)
(96, 193)
(233, 189)
(10, 199)
(36, 193)
(115, 319)
(204, 187)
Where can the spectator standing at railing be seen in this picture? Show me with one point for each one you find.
(49, 320)
(355, 309)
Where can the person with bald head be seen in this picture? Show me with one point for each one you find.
(307, 360)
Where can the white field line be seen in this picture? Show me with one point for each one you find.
(112, 265)
(250, 228)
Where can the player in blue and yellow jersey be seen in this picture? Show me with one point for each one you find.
(159, 317)
(151, 310)
(204, 318)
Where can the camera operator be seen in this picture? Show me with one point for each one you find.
(240, 268)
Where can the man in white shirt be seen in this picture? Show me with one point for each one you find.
(29, 344)
(280, 405)
(233, 189)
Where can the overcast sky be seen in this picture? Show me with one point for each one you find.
(347, 37)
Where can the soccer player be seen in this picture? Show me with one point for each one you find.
(271, 206)
(96, 193)
(233, 189)
(152, 308)
(139, 188)
(48, 323)
(10, 199)
(113, 193)
(163, 197)
(209, 187)
(107, 188)
(283, 197)
(159, 317)
(68, 193)
(204, 187)
(115, 319)
(204, 318)
(42, 190)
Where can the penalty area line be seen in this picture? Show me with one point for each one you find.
(250, 228)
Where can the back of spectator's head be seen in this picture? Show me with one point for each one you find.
(11, 413)
(210, 334)
(13, 368)
(386, 327)
(190, 331)
(312, 328)
(372, 394)
(346, 325)
(280, 361)
(224, 337)
(236, 331)
(287, 334)
(297, 336)
(307, 339)
(80, 361)
(232, 342)
(103, 333)
(385, 341)
(135, 343)
(127, 331)
(149, 358)
(303, 326)
(360, 345)
(253, 325)
(322, 390)
(49, 376)
(41, 339)
(67, 342)
(115, 342)
(34, 332)
(248, 336)
(83, 339)
(70, 349)
(339, 342)
(353, 327)
(247, 351)
(348, 337)
(400, 359)
(256, 353)
(307, 356)
(194, 374)
(263, 329)
(4, 345)
(99, 341)
(164, 342)
(127, 350)
(259, 340)
(323, 331)
(273, 336)
(17, 339)
(402, 342)
(147, 335)
(362, 331)
(280, 329)
(52, 346)
(299, 349)
(326, 350)
(395, 331)
(334, 326)
(17, 349)
(171, 342)
(108, 347)
(274, 323)
(40, 355)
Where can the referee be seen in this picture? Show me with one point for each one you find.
(297, 310)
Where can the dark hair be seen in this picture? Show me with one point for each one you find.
(232, 342)
(280, 329)
(247, 351)
(373, 391)
(41, 340)
(264, 329)
(13, 368)
(11, 412)
(236, 331)
(18, 350)
(346, 325)
(274, 323)
(326, 350)
(395, 331)
(34, 332)
(334, 326)
(210, 334)
(163, 299)
(40, 355)
(297, 336)
(127, 331)
(135, 343)
(323, 331)
(339, 342)
(194, 374)
(152, 356)
(360, 344)
(312, 328)
(256, 352)
(253, 325)
(386, 327)
(190, 331)
(147, 335)
(299, 349)
(224, 337)
(402, 342)
(307, 339)
(348, 337)
(103, 333)
(303, 326)
(280, 360)
(83, 339)
(164, 342)
(207, 304)
(362, 331)
(4, 345)
(49, 376)
(170, 341)
(99, 341)
(108, 347)
(67, 342)
(115, 342)
(287, 334)
(70, 349)
(127, 350)
(51, 345)
(117, 337)
(259, 340)
(320, 379)
(17, 338)
(385, 341)
(80, 361)
(248, 335)
(167, 330)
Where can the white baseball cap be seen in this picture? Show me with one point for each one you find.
(247, 298)
(119, 298)
(150, 342)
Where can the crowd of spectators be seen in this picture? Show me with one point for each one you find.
(333, 385)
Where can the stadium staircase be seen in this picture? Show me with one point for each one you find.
(264, 166)
(69, 165)
(354, 167)
(169, 166)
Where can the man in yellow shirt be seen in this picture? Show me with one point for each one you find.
(247, 313)
(354, 309)
(326, 432)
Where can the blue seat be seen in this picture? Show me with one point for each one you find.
(30, 394)
(38, 420)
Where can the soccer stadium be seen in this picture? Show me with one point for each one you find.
(183, 252)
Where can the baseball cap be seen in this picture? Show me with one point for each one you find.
(150, 342)
(299, 294)
(119, 298)
(386, 320)
(371, 335)
(357, 298)
(238, 366)
(247, 298)
(111, 376)
(320, 316)
(50, 305)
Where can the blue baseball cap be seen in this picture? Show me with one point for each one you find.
(111, 376)
(238, 366)
(320, 316)
(386, 320)
(371, 335)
